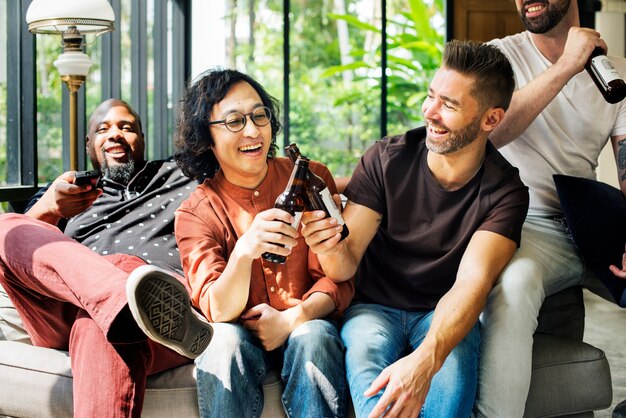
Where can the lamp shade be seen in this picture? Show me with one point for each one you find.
(55, 17)
(73, 63)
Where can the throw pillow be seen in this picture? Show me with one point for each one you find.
(596, 215)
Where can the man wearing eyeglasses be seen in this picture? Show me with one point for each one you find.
(265, 315)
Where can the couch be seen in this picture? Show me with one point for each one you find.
(569, 377)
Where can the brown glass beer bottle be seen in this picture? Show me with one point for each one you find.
(606, 78)
(292, 200)
(318, 195)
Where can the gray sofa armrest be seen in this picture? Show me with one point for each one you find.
(35, 381)
(569, 377)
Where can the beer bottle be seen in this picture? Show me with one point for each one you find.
(317, 193)
(606, 78)
(292, 200)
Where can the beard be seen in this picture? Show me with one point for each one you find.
(457, 139)
(119, 173)
(548, 20)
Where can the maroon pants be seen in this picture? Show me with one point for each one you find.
(71, 298)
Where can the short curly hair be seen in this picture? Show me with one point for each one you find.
(193, 139)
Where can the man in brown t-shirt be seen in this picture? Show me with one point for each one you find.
(434, 216)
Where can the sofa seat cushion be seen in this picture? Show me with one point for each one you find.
(11, 326)
(37, 382)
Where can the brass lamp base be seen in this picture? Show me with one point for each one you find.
(73, 83)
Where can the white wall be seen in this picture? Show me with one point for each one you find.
(610, 23)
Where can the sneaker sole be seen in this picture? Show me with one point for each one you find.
(161, 307)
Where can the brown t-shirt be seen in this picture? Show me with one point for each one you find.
(413, 259)
(217, 213)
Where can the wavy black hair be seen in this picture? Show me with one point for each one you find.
(193, 139)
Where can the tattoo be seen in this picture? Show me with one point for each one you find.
(621, 157)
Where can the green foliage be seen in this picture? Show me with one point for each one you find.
(49, 109)
(414, 48)
(335, 106)
(334, 110)
(332, 133)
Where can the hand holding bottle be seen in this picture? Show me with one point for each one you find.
(321, 233)
(605, 76)
(270, 231)
(318, 196)
(578, 47)
(291, 201)
(586, 49)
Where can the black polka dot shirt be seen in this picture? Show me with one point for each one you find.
(136, 219)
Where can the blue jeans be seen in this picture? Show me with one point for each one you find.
(376, 336)
(231, 370)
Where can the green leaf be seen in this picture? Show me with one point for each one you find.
(354, 21)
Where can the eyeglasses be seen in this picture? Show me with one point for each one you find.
(236, 121)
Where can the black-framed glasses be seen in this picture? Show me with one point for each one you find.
(236, 121)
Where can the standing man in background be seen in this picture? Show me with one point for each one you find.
(558, 123)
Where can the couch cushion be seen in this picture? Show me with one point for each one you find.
(596, 215)
(37, 382)
(11, 327)
(563, 314)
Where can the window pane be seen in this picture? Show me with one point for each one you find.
(93, 84)
(149, 124)
(50, 90)
(415, 37)
(3, 95)
(49, 109)
(335, 80)
(245, 34)
(124, 22)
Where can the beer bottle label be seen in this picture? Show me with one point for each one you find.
(331, 206)
(296, 223)
(603, 68)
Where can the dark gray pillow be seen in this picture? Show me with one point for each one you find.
(596, 215)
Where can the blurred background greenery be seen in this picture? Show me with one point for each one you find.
(334, 73)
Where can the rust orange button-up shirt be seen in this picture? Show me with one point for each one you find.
(217, 213)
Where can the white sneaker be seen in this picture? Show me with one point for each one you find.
(160, 304)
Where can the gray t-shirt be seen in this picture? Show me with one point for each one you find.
(568, 135)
